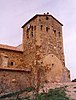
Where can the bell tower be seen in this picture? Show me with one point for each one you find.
(43, 44)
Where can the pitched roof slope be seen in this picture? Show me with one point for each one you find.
(12, 48)
(42, 15)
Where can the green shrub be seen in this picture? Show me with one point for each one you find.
(53, 94)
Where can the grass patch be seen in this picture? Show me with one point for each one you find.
(53, 94)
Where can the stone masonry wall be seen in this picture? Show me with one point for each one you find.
(42, 36)
(15, 58)
(49, 37)
(29, 39)
(49, 41)
(13, 80)
(46, 32)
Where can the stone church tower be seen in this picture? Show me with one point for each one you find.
(38, 60)
(43, 48)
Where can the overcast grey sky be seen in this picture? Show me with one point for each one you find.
(14, 13)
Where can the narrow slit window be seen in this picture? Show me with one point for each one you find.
(32, 34)
(59, 34)
(41, 27)
(34, 27)
(27, 30)
(54, 32)
(47, 29)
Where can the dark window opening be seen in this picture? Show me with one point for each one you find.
(54, 31)
(39, 19)
(27, 35)
(59, 34)
(11, 63)
(60, 48)
(47, 18)
(46, 81)
(41, 27)
(27, 31)
(63, 63)
(52, 55)
(47, 29)
(69, 76)
(32, 34)
(52, 64)
(34, 27)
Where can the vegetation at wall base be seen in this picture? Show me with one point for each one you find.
(52, 94)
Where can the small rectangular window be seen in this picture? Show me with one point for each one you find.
(47, 29)
(12, 63)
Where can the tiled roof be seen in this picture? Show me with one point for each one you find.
(2, 46)
(42, 15)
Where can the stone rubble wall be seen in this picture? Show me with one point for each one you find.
(14, 57)
(12, 80)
